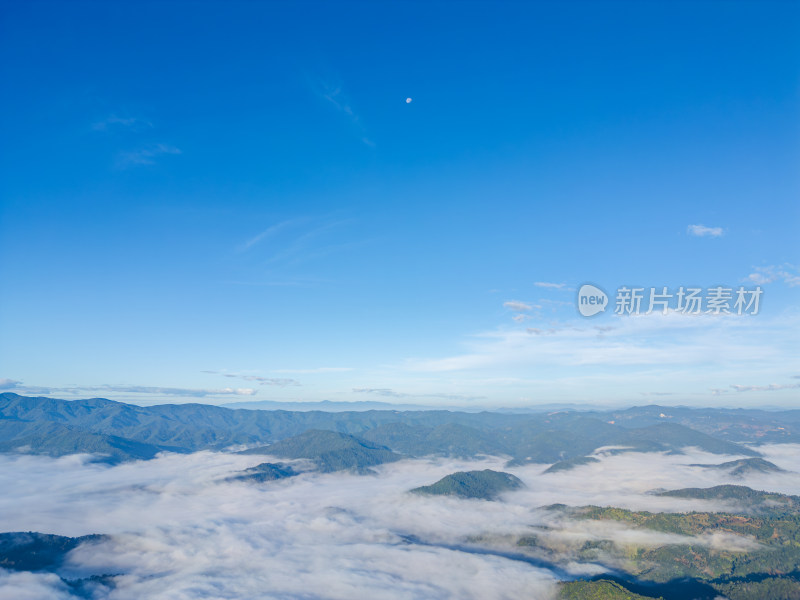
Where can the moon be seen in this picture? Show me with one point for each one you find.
(408, 100)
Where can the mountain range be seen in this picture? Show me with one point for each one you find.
(118, 432)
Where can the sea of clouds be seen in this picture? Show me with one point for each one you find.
(179, 530)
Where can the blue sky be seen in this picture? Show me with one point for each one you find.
(224, 202)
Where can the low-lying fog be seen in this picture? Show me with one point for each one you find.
(181, 531)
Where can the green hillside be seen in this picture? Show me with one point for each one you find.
(735, 425)
(764, 564)
(55, 439)
(744, 467)
(672, 436)
(128, 432)
(485, 485)
(264, 472)
(450, 439)
(748, 499)
(31, 551)
(601, 589)
(330, 451)
(567, 465)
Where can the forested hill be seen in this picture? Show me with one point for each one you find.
(124, 431)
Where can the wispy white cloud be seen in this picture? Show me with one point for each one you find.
(576, 361)
(517, 306)
(9, 384)
(138, 390)
(703, 231)
(521, 309)
(555, 304)
(389, 393)
(549, 285)
(273, 381)
(333, 93)
(766, 388)
(305, 246)
(114, 121)
(316, 370)
(145, 156)
(787, 273)
(267, 233)
(171, 391)
(274, 256)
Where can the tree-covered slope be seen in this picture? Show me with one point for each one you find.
(32, 551)
(264, 472)
(749, 554)
(330, 450)
(731, 424)
(61, 427)
(55, 439)
(602, 589)
(485, 485)
(747, 499)
(744, 467)
(450, 439)
(567, 465)
(673, 436)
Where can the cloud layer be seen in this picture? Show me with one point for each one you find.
(180, 531)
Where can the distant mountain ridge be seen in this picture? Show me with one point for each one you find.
(128, 432)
